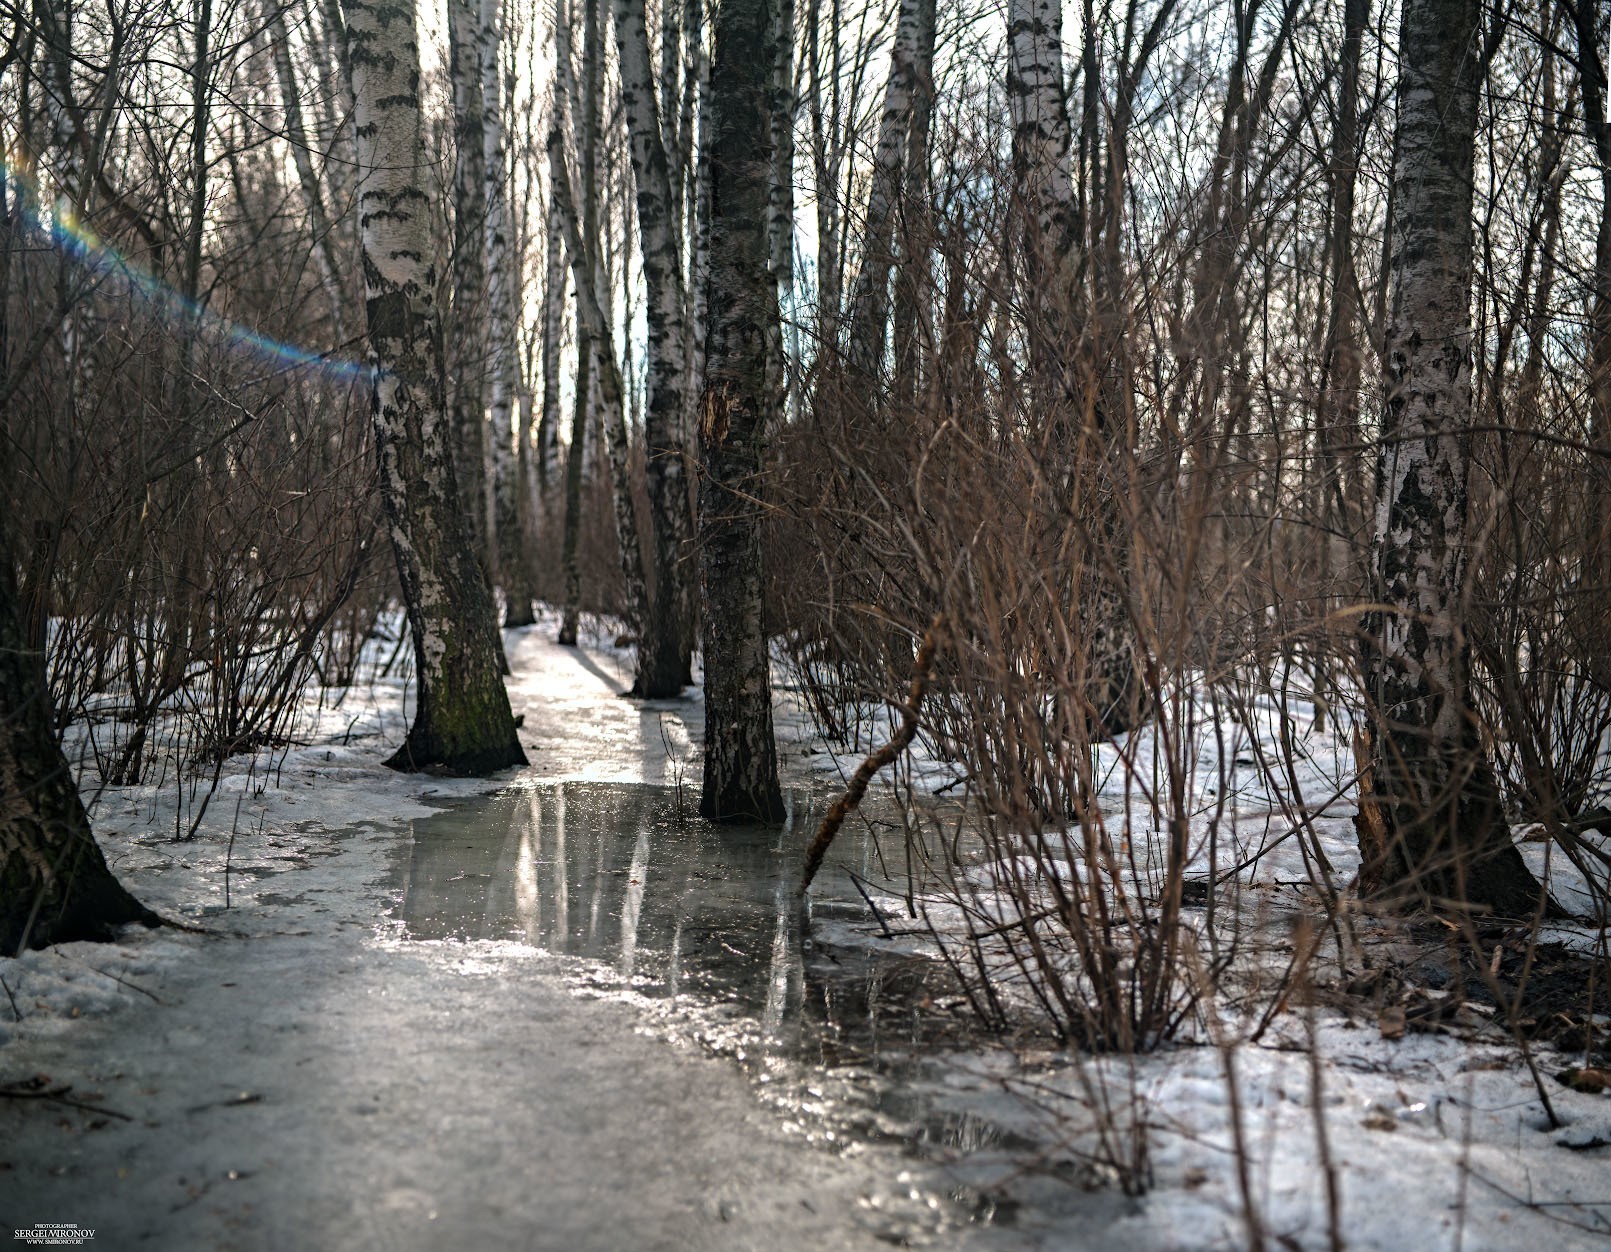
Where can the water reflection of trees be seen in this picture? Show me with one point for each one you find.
(619, 875)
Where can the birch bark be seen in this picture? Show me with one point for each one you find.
(503, 312)
(1431, 825)
(554, 287)
(780, 197)
(1066, 367)
(1041, 135)
(462, 721)
(911, 64)
(1340, 369)
(467, 344)
(1592, 65)
(662, 638)
(580, 102)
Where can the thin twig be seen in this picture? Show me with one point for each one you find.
(58, 1095)
(902, 739)
(105, 974)
(877, 912)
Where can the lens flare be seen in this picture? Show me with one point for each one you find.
(74, 237)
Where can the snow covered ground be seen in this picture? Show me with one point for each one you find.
(302, 1076)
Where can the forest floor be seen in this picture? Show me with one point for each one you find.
(352, 1056)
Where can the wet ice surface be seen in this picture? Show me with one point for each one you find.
(390, 1039)
(702, 927)
(671, 906)
(318, 1081)
(316, 1072)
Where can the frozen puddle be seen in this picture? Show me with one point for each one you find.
(494, 1031)
(698, 927)
(664, 905)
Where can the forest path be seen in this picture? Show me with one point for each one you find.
(305, 1078)
(313, 1090)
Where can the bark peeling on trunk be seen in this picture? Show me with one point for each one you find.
(1432, 826)
(741, 775)
(462, 721)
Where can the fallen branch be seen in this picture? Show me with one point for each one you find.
(30, 1089)
(880, 757)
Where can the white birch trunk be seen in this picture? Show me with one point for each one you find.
(911, 63)
(462, 719)
(693, 193)
(503, 305)
(467, 344)
(780, 203)
(1441, 833)
(554, 285)
(663, 634)
(1592, 64)
(1041, 136)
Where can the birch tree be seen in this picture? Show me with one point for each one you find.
(554, 289)
(662, 635)
(1592, 65)
(462, 720)
(594, 316)
(1041, 137)
(911, 66)
(467, 346)
(1431, 824)
(1064, 367)
(581, 102)
(1043, 189)
(741, 773)
(780, 202)
(1340, 369)
(511, 525)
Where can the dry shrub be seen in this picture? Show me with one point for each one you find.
(204, 533)
(1151, 555)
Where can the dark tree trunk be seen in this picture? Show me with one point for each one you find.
(575, 456)
(54, 883)
(1431, 824)
(522, 588)
(1592, 66)
(585, 97)
(741, 773)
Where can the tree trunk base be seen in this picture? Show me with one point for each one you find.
(421, 751)
(519, 614)
(94, 913)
